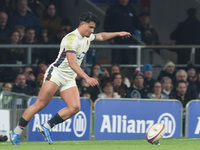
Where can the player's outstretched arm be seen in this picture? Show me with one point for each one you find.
(109, 35)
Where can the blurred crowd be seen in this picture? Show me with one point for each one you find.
(30, 22)
(172, 83)
(37, 22)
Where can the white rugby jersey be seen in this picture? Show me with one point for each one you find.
(72, 43)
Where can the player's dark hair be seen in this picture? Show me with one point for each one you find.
(88, 17)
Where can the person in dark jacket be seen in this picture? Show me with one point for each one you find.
(187, 33)
(138, 84)
(122, 17)
(20, 85)
(168, 71)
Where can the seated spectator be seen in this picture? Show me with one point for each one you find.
(30, 77)
(42, 67)
(181, 93)
(151, 38)
(44, 37)
(20, 86)
(36, 7)
(119, 86)
(24, 17)
(51, 20)
(4, 31)
(148, 79)
(115, 68)
(6, 98)
(21, 30)
(192, 88)
(7, 86)
(15, 55)
(192, 74)
(183, 96)
(168, 71)
(135, 94)
(138, 84)
(157, 92)
(108, 91)
(30, 38)
(99, 73)
(167, 87)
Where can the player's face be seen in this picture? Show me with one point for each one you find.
(88, 28)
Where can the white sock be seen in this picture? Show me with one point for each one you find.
(46, 125)
(18, 130)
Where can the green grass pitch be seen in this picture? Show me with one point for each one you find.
(134, 144)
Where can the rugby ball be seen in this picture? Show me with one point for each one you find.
(155, 133)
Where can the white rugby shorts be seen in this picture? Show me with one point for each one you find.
(54, 75)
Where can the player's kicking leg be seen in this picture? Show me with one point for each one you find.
(73, 106)
(46, 93)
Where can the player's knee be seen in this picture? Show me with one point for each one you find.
(40, 105)
(76, 109)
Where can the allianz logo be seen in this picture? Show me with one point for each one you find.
(78, 124)
(121, 124)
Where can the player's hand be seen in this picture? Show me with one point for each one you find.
(92, 81)
(125, 34)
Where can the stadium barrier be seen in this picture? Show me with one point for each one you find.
(78, 127)
(128, 118)
(29, 48)
(192, 122)
(111, 118)
(16, 104)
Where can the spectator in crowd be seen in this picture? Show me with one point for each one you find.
(20, 85)
(183, 96)
(152, 38)
(15, 55)
(64, 29)
(119, 86)
(192, 89)
(44, 37)
(30, 77)
(42, 67)
(6, 86)
(115, 68)
(135, 94)
(187, 33)
(36, 7)
(108, 91)
(157, 92)
(7, 6)
(30, 38)
(51, 20)
(21, 30)
(6, 98)
(24, 17)
(168, 71)
(192, 74)
(122, 17)
(138, 84)
(4, 31)
(99, 73)
(167, 87)
(148, 78)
